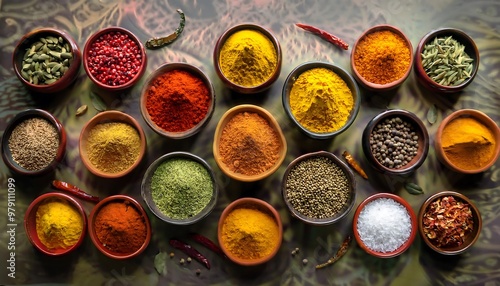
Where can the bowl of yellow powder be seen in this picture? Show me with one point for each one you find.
(248, 143)
(55, 223)
(250, 231)
(381, 58)
(468, 141)
(247, 58)
(112, 144)
(321, 98)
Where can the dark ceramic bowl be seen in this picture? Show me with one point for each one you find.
(469, 238)
(69, 76)
(375, 86)
(239, 88)
(419, 128)
(345, 209)
(470, 49)
(255, 204)
(400, 249)
(349, 80)
(105, 117)
(30, 223)
(20, 117)
(194, 71)
(148, 199)
(87, 67)
(95, 239)
(482, 118)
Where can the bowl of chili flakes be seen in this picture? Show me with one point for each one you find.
(449, 222)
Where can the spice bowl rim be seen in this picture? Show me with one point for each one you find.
(30, 222)
(167, 67)
(222, 40)
(226, 117)
(146, 191)
(104, 117)
(352, 186)
(86, 49)
(484, 119)
(95, 239)
(419, 127)
(338, 70)
(17, 119)
(470, 48)
(67, 79)
(262, 206)
(405, 245)
(471, 237)
(375, 86)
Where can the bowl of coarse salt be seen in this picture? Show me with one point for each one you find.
(384, 225)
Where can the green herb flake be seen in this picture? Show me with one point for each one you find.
(432, 114)
(413, 189)
(160, 263)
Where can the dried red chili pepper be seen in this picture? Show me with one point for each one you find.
(354, 164)
(190, 251)
(208, 244)
(77, 192)
(340, 252)
(324, 35)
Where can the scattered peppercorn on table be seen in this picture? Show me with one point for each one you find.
(303, 246)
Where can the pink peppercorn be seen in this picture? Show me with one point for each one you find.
(114, 58)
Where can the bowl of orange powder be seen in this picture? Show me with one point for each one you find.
(382, 57)
(177, 100)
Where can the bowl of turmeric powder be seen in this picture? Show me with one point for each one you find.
(55, 223)
(468, 141)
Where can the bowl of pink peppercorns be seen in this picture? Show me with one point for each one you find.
(114, 58)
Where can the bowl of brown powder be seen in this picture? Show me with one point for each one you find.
(33, 143)
(248, 143)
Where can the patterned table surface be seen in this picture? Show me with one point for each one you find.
(206, 20)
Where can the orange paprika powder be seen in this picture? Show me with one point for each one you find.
(120, 227)
(177, 100)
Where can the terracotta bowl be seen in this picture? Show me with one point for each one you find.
(400, 249)
(20, 117)
(167, 68)
(30, 223)
(87, 65)
(479, 116)
(374, 86)
(105, 117)
(470, 48)
(469, 238)
(33, 36)
(255, 204)
(148, 199)
(352, 188)
(226, 117)
(419, 128)
(95, 239)
(349, 80)
(239, 88)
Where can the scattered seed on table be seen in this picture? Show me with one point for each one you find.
(198, 271)
(305, 261)
(189, 259)
(172, 255)
(182, 261)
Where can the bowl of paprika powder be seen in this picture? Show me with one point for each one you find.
(177, 100)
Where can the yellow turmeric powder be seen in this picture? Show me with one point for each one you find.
(58, 224)
(248, 58)
(321, 101)
(250, 233)
(468, 143)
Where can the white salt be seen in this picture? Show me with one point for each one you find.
(384, 225)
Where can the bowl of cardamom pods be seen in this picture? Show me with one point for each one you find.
(47, 60)
(446, 60)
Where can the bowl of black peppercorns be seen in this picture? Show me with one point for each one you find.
(395, 142)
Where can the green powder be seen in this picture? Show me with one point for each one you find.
(181, 188)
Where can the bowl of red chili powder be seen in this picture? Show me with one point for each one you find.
(119, 227)
(449, 222)
(177, 100)
(114, 59)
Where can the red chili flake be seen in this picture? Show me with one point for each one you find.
(447, 222)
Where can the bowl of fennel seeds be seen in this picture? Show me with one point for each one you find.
(47, 60)
(446, 60)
